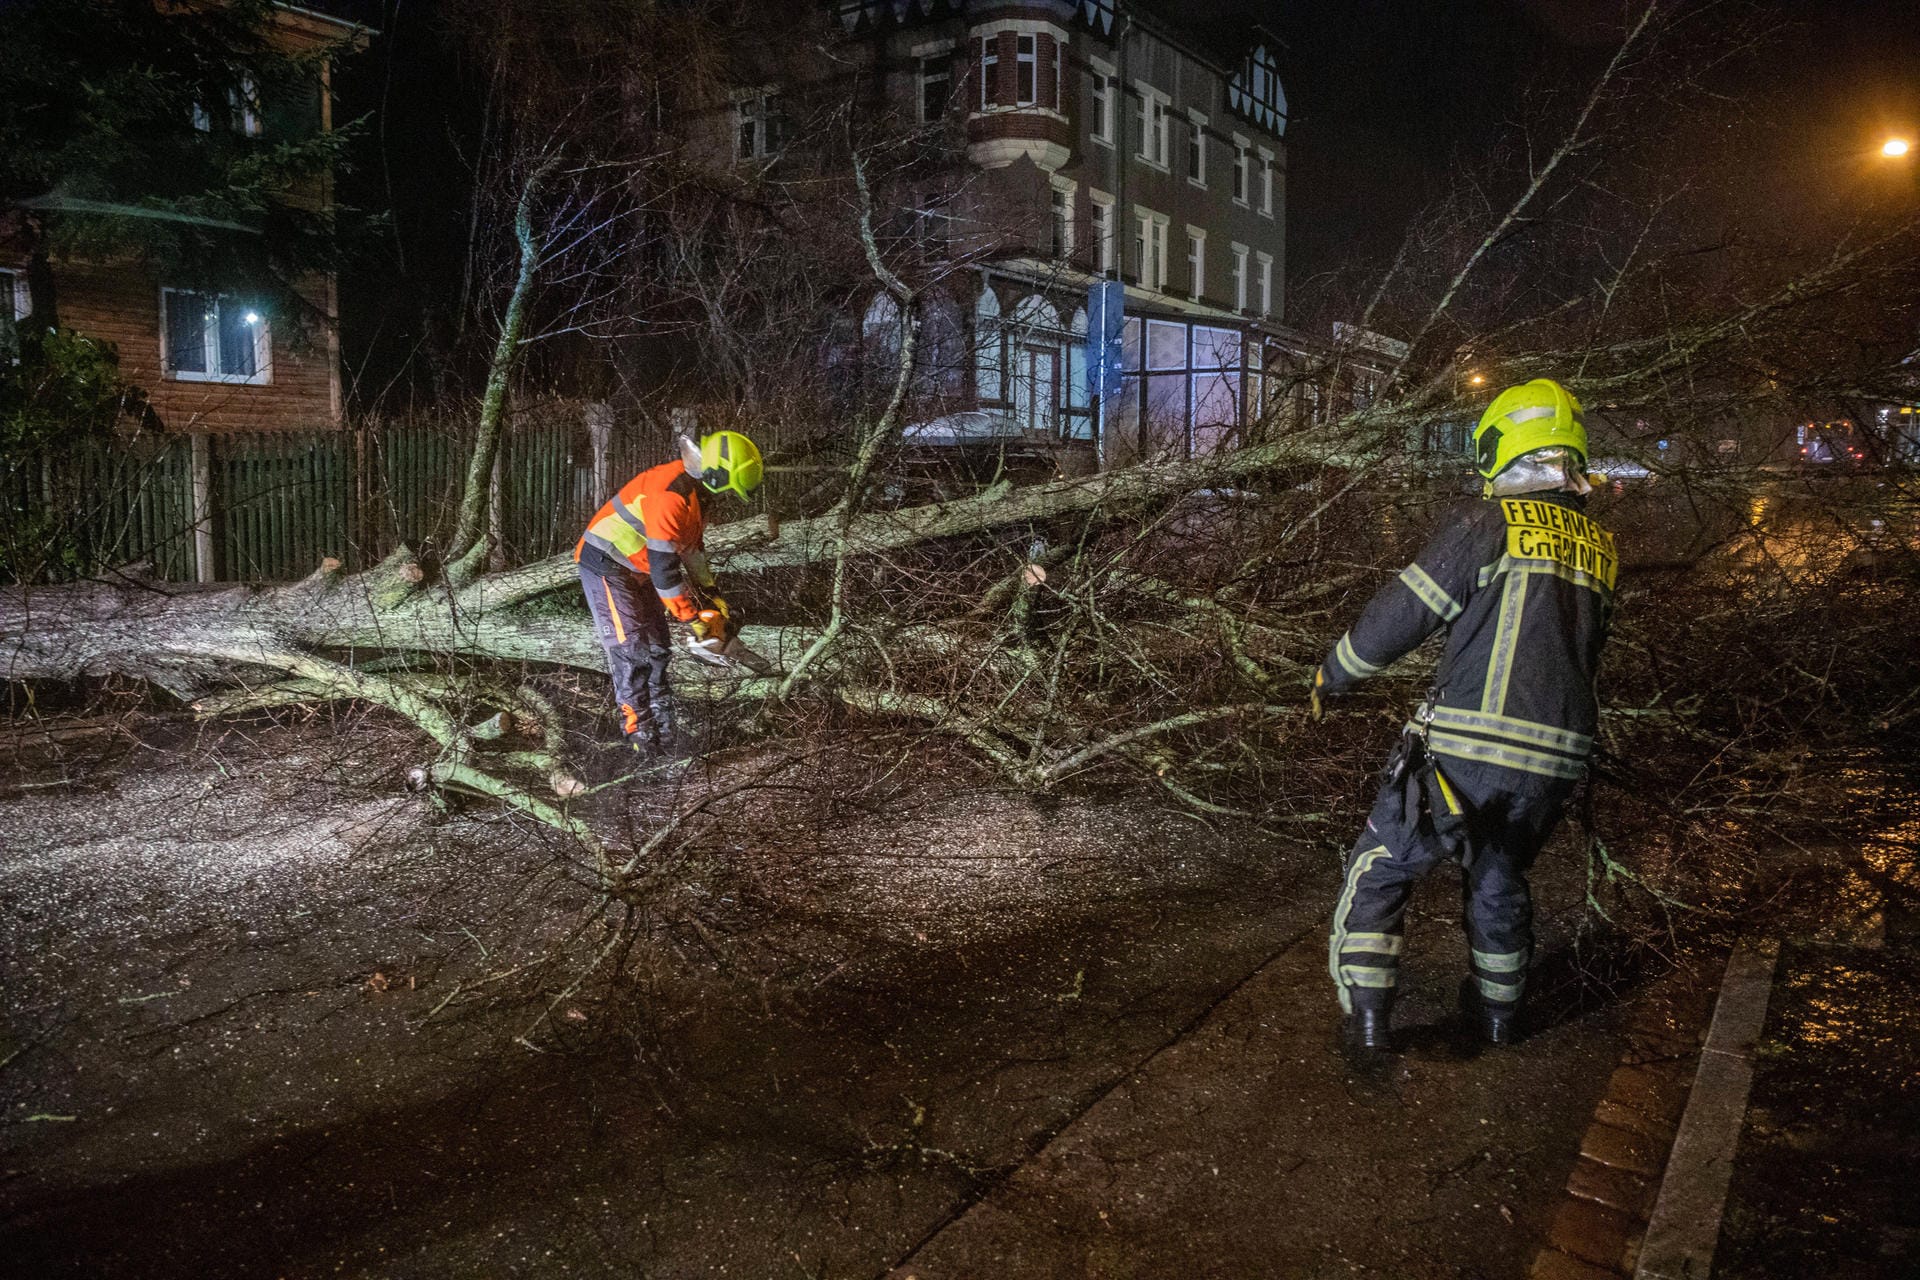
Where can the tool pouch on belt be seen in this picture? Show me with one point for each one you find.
(1431, 812)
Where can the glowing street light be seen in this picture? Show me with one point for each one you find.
(1477, 379)
(1894, 148)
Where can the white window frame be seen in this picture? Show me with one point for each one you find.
(1151, 241)
(1105, 89)
(17, 300)
(1065, 189)
(210, 339)
(1057, 72)
(246, 108)
(989, 68)
(15, 293)
(1154, 110)
(1242, 175)
(943, 59)
(753, 106)
(1026, 59)
(1196, 261)
(1266, 282)
(1239, 276)
(1197, 149)
(1105, 233)
(1266, 182)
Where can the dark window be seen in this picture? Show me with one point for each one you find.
(1102, 108)
(762, 129)
(1026, 72)
(989, 71)
(935, 88)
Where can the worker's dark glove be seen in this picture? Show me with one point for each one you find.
(1315, 709)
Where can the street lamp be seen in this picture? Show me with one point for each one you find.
(1894, 148)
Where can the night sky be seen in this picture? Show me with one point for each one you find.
(1389, 96)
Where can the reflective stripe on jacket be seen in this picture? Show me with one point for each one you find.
(1525, 588)
(653, 526)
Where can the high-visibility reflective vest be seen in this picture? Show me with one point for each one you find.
(653, 526)
(1524, 587)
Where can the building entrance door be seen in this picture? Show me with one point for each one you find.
(1036, 388)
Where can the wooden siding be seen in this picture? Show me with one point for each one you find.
(122, 305)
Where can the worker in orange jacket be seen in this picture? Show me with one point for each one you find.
(654, 528)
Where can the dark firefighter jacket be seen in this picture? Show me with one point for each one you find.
(1525, 587)
(653, 527)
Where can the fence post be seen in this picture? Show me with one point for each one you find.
(201, 446)
(600, 441)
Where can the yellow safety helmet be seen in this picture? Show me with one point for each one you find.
(728, 460)
(1535, 415)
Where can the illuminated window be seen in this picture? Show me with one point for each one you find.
(212, 337)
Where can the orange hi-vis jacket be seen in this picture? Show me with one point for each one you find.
(653, 526)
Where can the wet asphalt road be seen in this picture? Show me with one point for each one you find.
(1004, 1039)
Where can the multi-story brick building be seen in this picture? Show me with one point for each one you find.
(1094, 140)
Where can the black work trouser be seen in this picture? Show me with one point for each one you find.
(1424, 813)
(631, 625)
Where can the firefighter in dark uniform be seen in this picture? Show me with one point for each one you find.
(1523, 582)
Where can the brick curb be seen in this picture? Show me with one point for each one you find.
(1602, 1219)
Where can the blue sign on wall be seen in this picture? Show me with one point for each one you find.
(1106, 318)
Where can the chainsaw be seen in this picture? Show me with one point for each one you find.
(714, 641)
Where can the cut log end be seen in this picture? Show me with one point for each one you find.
(565, 785)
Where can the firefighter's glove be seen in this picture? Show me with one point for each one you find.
(1315, 709)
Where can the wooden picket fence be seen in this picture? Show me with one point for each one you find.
(278, 503)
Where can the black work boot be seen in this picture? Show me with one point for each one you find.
(1366, 1030)
(1366, 1041)
(1494, 1022)
(662, 709)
